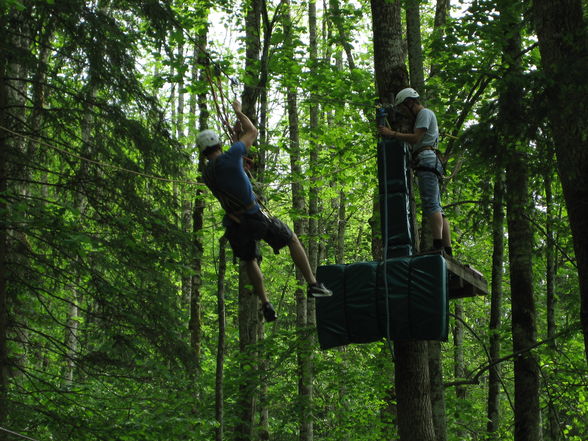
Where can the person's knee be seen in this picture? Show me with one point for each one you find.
(293, 239)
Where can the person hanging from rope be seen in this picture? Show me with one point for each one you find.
(245, 223)
(425, 161)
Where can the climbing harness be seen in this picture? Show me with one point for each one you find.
(415, 163)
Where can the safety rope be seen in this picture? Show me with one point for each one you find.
(385, 243)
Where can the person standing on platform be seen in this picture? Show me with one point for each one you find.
(425, 161)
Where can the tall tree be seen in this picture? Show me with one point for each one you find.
(415, 50)
(526, 368)
(563, 42)
(413, 386)
(496, 301)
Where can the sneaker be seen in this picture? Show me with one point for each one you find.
(319, 290)
(269, 314)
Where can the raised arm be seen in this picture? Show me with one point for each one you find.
(248, 130)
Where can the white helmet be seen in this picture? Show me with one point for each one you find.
(409, 92)
(207, 138)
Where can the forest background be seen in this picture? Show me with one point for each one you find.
(122, 315)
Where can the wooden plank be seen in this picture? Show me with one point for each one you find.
(464, 280)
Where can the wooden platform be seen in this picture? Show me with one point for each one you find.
(464, 280)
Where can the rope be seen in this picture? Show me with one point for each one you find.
(17, 434)
(220, 110)
(92, 161)
(385, 241)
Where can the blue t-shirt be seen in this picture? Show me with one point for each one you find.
(427, 120)
(226, 178)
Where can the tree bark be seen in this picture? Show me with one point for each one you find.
(413, 389)
(415, 50)
(199, 205)
(520, 235)
(391, 74)
(3, 230)
(437, 390)
(303, 355)
(496, 302)
(563, 43)
(338, 20)
(220, 352)
(458, 359)
(249, 319)
(441, 13)
(412, 364)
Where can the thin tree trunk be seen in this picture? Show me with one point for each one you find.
(249, 304)
(417, 80)
(441, 13)
(458, 360)
(550, 257)
(496, 302)
(338, 21)
(437, 390)
(520, 235)
(219, 408)
(195, 322)
(527, 410)
(341, 227)
(550, 272)
(3, 232)
(248, 339)
(415, 50)
(563, 42)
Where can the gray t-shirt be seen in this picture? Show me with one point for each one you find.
(427, 120)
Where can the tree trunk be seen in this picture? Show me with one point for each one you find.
(458, 360)
(526, 370)
(249, 305)
(413, 389)
(437, 390)
(198, 206)
(391, 75)
(415, 50)
(564, 54)
(412, 364)
(338, 21)
(252, 50)
(249, 320)
(527, 410)
(220, 352)
(496, 302)
(441, 13)
(3, 232)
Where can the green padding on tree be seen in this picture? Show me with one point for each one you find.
(396, 214)
(360, 284)
(394, 176)
(416, 301)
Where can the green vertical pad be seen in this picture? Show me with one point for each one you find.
(397, 219)
(392, 155)
(427, 291)
(332, 329)
(360, 301)
(397, 320)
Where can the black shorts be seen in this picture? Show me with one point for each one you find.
(243, 236)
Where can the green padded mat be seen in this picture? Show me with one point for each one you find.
(394, 190)
(417, 301)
